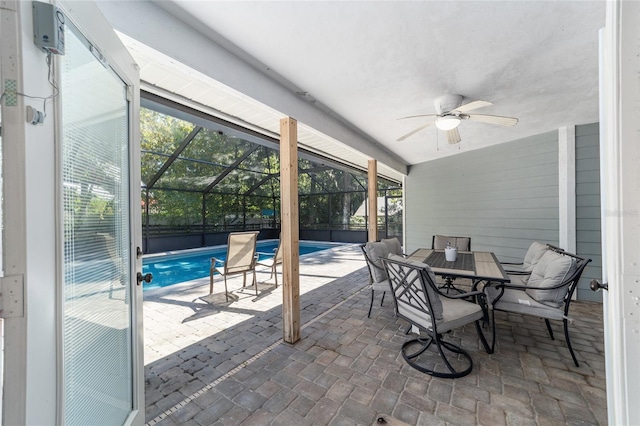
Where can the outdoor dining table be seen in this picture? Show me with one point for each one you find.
(478, 266)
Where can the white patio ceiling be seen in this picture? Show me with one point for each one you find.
(365, 64)
(163, 76)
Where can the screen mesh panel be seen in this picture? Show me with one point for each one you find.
(215, 181)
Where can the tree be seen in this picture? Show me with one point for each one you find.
(232, 178)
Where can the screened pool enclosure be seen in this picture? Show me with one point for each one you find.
(203, 177)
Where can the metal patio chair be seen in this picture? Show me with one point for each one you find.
(241, 258)
(534, 253)
(545, 293)
(439, 242)
(419, 302)
(273, 261)
(373, 254)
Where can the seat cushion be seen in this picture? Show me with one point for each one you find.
(519, 301)
(458, 312)
(533, 256)
(376, 252)
(393, 244)
(551, 270)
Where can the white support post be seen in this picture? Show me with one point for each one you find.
(372, 224)
(567, 187)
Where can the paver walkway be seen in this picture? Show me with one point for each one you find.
(225, 364)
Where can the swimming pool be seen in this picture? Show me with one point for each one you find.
(169, 269)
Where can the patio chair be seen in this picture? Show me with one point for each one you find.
(419, 302)
(241, 258)
(106, 243)
(272, 261)
(545, 293)
(439, 242)
(374, 252)
(394, 245)
(534, 253)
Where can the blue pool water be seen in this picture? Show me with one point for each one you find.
(169, 269)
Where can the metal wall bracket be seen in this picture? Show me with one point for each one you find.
(12, 296)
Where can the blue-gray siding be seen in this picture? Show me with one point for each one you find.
(588, 209)
(506, 196)
(503, 197)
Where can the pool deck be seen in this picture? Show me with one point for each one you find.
(212, 362)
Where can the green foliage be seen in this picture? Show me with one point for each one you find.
(236, 180)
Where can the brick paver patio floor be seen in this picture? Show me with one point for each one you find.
(209, 362)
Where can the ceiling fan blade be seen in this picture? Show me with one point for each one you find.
(413, 132)
(473, 105)
(418, 116)
(494, 119)
(453, 136)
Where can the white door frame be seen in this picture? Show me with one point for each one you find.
(15, 365)
(620, 103)
(30, 366)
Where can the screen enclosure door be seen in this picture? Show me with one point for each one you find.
(100, 307)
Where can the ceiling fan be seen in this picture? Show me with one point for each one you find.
(450, 112)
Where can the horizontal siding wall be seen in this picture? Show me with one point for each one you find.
(588, 210)
(503, 197)
(506, 196)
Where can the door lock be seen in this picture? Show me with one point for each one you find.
(146, 278)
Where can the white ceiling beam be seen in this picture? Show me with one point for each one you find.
(153, 26)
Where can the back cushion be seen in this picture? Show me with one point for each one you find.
(376, 252)
(394, 246)
(535, 252)
(552, 269)
(462, 243)
(440, 242)
(416, 290)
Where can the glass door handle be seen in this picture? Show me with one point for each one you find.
(146, 278)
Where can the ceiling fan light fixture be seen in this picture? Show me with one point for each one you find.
(448, 122)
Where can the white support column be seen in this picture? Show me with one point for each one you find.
(372, 223)
(404, 215)
(567, 187)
